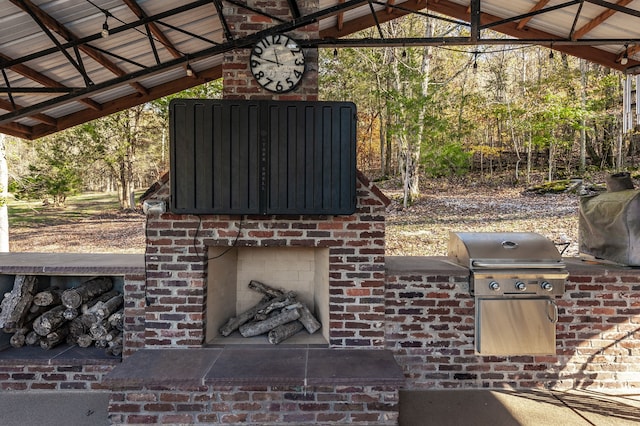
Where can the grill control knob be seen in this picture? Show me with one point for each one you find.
(493, 285)
(546, 285)
(521, 286)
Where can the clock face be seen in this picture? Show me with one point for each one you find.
(277, 63)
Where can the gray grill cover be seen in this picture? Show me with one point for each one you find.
(609, 227)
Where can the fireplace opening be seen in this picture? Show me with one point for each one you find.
(302, 270)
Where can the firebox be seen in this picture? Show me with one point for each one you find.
(302, 270)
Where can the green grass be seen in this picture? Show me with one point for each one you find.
(34, 214)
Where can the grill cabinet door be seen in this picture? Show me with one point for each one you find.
(516, 326)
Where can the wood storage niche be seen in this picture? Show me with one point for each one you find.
(51, 310)
(231, 292)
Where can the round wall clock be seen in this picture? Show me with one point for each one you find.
(277, 63)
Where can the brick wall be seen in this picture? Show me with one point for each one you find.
(177, 267)
(44, 376)
(430, 328)
(256, 405)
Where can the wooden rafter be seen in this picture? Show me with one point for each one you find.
(46, 119)
(157, 32)
(34, 75)
(129, 101)
(578, 34)
(389, 4)
(462, 12)
(340, 18)
(63, 32)
(538, 6)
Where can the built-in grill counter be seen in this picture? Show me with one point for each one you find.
(514, 277)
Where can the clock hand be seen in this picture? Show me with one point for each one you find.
(272, 61)
(275, 53)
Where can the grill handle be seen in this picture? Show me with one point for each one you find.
(530, 265)
(552, 311)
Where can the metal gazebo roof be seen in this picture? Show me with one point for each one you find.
(65, 62)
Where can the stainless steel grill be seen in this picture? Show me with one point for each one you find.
(509, 263)
(513, 276)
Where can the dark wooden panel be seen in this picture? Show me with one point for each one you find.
(262, 157)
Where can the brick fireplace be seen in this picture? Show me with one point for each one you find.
(198, 268)
(336, 263)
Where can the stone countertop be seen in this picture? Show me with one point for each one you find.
(432, 265)
(256, 365)
(441, 265)
(71, 263)
(121, 264)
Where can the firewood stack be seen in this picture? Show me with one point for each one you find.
(279, 314)
(90, 314)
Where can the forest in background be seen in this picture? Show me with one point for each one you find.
(509, 112)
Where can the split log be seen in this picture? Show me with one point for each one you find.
(110, 306)
(49, 321)
(116, 320)
(310, 323)
(54, 338)
(265, 289)
(70, 313)
(284, 331)
(32, 338)
(16, 303)
(84, 340)
(48, 297)
(260, 327)
(19, 337)
(99, 330)
(235, 322)
(80, 325)
(90, 305)
(277, 303)
(100, 343)
(75, 297)
(112, 335)
(115, 346)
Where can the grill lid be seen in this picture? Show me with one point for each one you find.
(503, 250)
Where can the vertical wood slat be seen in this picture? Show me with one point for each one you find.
(262, 157)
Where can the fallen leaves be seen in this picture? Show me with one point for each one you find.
(423, 228)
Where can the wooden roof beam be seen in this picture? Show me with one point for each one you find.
(34, 75)
(18, 130)
(523, 22)
(46, 119)
(129, 101)
(578, 34)
(63, 32)
(462, 12)
(157, 32)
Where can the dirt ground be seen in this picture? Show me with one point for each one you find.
(421, 229)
